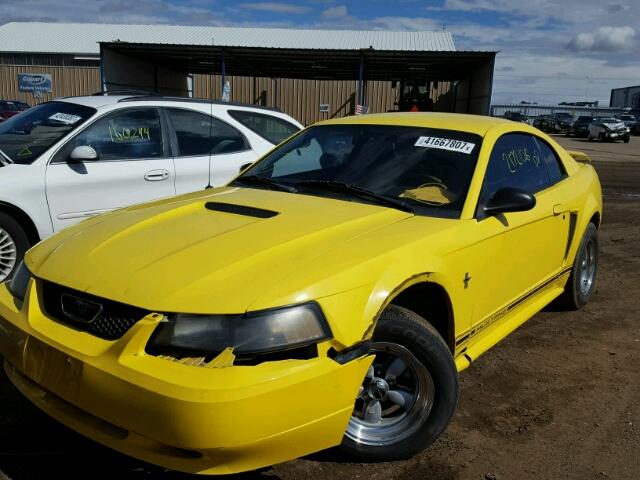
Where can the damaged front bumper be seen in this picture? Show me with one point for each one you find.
(189, 418)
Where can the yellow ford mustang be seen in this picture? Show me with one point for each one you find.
(327, 296)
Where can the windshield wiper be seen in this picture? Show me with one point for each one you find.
(360, 192)
(4, 158)
(259, 180)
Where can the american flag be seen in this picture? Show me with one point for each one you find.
(361, 109)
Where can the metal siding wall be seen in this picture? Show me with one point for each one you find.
(299, 98)
(67, 81)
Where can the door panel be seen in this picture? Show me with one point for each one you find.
(204, 142)
(521, 250)
(192, 172)
(132, 167)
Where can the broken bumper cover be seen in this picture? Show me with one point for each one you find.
(186, 418)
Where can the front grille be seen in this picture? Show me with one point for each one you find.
(112, 322)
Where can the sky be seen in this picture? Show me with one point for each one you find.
(549, 50)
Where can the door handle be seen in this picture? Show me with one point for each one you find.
(156, 175)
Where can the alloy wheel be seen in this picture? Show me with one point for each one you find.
(395, 398)
(8, 254)
(587, 265)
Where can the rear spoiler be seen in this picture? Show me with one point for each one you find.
(580, 156)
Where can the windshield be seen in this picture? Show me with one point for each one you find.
(25, 136)
(427, 169)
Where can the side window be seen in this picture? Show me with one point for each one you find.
(272, 129)
(123, 135)
(555, 170)
(514, 162)
(200, 134)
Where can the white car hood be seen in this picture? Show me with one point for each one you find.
(614, 125)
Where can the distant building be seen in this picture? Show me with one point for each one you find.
(310, 74)
(626, 97)
(579, 104)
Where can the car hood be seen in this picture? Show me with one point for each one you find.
(179, 255)
(15, 177)
(614, 125)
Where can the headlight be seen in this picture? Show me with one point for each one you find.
(20, 281)
(255, 332)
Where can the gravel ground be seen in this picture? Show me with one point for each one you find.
(558, 399)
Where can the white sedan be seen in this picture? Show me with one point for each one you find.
(73, 158)
(608, 129)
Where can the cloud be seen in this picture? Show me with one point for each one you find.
(604, 39)
(339, 11)
(109, 11)
(276, 7)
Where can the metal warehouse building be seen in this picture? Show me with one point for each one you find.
(310, 74)
(626, 97)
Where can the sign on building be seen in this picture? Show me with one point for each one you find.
(37, 83)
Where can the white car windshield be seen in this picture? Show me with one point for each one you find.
(25, 136)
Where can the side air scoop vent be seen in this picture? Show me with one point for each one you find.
(240, 210)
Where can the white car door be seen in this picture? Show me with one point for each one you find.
(133, 165)
(204, 142)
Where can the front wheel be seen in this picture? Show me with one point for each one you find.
(13, 245)
(626, 139)
(409, 394)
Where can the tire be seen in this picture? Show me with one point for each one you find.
(626, 139)
(13, 245)
(429, 367)
(590, 138)
(579, 287)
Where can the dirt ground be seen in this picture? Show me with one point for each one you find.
(558, 399)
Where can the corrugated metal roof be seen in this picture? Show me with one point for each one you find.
(83, 38)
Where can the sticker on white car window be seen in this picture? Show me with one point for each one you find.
(65, 118)
(445, 144)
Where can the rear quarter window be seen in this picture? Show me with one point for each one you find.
(271, 128)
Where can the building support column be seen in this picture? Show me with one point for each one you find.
(223, 73)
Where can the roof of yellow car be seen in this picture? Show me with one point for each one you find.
(477, 124)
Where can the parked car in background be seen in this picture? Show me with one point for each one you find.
(630, 121)
(516, 116)
(328, 296)
(562, 121)
(70, 159)
(9, 108)
(544, 123)
(608, 129)
(580, 127)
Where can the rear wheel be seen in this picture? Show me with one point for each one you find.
(582, 279)
(409, 393)
(13, 245)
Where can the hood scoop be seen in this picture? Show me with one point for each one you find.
(240, 210)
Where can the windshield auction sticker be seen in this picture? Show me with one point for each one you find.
(66, 118)
(445, 144)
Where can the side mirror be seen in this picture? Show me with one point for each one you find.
(84, 153)
(510, 199)
(245, 166)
